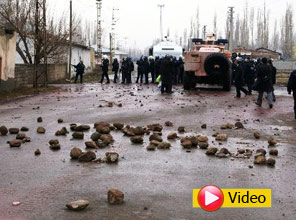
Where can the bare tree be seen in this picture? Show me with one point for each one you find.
(185, 38)
(251, 18)
(197, 24)
(19, 14)
(276, 37)
(236, 41)
(215, 30)
(287, 38)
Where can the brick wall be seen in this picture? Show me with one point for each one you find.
(24, 74)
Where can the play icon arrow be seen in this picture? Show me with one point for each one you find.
(210, 198)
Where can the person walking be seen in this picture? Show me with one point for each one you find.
(80, 68)
(239, 77)
(249, 74)
(105, 68)
(181, 66)
(166, 71)
(264, 83)
(152, 68)
(273, 76)
(292, 88)
(115, 68)
(131, 68)
(125, 71)
(146, 69)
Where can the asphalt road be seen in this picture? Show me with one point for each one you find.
(157, 185)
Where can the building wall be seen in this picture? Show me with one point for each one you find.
(24, 74)
(284, 69)
(7, 55)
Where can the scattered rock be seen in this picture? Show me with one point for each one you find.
(272, 141)
(39, 119)
(155, 127)
(164, 146)
(221, 155)
(87, 157)
(101, 144)
(20, 136)
(137, 140)
(181, 129)
(101, 124)
(118, 126)
(257, 135)
(169, 124)
(77, 205)
(250, 166)
(103, 130)
(224, 150)
(155, 137)
(95, 136)
(3, 130)
(37, 152)
(139, 131)
(112, 157)
(52, 142)
(27, 139)
(55, 147)
(60, 121)
(73, 127)
(261, 151)
(270, 162)
(154, 142)
(115, 197)
(273, 152)
(90, 144)
(186, 143)
(212, 151)
(172, 136)
(78, 135)
(203, 145)
(260, 160)
(24, 129)
(222, 137)
(241, 151)
(14, 130)
(107, 139)
(81, 128)
(204, 126)
(249, 152)
(41, 130)
(15, 143)
(202, 138)
(239, 125)
(227, 126)
(62, 132)
(75, 153)
(151, 147)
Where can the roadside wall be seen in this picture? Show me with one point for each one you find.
(284, 68)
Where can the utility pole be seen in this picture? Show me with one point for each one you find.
(230, 34)
(112, 36)
(70, 41)
(204, 32)
(40, 43)
(161, 24)
(99, 29)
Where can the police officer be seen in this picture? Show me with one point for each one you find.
(140, 70)
(146, 69)
(239, 77)
(273, 76)
(125, 70)
(292, 88)
(181, 67)
(152, 68)
(249, 74)
(80, 68)
(115, 68)
(105, 68)
(166, 68)
(131, 68)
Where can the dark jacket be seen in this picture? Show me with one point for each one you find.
(292, 82)
(248, 70)
(140, 66)
(125, 67)
(238, 75)
(152, 66)
(166, 71)
(115, 66)
(146, 66)
(105, 65)
(264, 79)
(273, 74)
(80, 68)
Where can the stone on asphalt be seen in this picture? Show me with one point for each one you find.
(54, 141)
(3, 130)
(90, 144)
(257, 135)
(115, 197)
(239, 125)
(15, 143)
(106, 138)
(169, 124)
(78, 135)
(95, 136)
(112, 157)
(155, 137)
(204, 126)
(37, 152)
(151, 147)
(137, 140)
(118, 126)
(270, 162)
(87, 157)
(39, 119)
(212, 151)
(186, 143)
(139, 131)
(172, 136)
(222, 137)
(155, 127)
(164, 146)
(273, 152)
(24, 129)
(55, 147)
(202, 138)
(181, 129)
(272, 141)
(14, 130)
(41, 130)
(20, 136)
(75, 153)
(261, 151)
(260, 160)
(77, 205)
(203, 145)
(60, 120)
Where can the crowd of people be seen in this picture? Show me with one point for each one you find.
(247, 75)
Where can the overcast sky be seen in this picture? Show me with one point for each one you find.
(138, 20)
